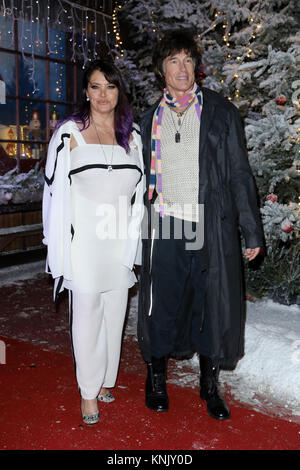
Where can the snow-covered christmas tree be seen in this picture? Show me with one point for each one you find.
(250, 54)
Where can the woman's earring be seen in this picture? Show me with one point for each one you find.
(87, 98)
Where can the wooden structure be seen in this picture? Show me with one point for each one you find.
(20, 228)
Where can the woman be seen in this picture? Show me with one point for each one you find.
(92, 210)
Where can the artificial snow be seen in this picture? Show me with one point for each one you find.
(267, 377)
(21, 272)
(269, 372)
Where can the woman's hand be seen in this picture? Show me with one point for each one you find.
(251, 253)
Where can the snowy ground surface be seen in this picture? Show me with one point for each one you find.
(267, 377)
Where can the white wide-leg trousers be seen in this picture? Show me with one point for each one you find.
(96, 326)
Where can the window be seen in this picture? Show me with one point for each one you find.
(39, 74)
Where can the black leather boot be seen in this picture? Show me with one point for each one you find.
(209, 392)
(156, 388)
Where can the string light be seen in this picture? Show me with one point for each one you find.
(61, 12)
(254, 29)
(116, 29)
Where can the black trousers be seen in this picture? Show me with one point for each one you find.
(175, 262)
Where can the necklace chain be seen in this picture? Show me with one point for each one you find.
(179, 116)
(109, 165)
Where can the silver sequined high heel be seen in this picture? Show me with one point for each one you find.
(92, 418)
(107, 397)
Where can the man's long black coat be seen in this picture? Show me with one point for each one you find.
(228, 192)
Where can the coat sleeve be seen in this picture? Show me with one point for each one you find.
(48, 185)
(242, 183)
(55, 206)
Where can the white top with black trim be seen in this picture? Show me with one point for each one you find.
(101, 208)
(78, 187)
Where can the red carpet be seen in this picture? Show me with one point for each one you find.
(40, 405)
(40, 411)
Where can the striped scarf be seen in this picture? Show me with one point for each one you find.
(156, 169)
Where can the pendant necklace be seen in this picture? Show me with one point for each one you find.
(109, 165)
(180, 122)
(177, 134)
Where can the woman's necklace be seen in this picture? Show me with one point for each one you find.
(109, 165)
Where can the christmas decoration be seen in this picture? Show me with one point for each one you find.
(287, 226)
(10, 147)
(281, 100)
(252, 58)
(86, 27)
(53, 121)
(272, 197)
(8, 196)
(18, 188)
(35, 134)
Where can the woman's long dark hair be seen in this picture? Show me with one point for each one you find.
(123, 111)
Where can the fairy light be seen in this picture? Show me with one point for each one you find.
(33, 14)
(116, 30)
(248, 52)
(153, 22)
(226, 37)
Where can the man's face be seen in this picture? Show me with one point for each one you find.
(179, 73)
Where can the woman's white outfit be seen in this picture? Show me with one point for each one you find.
(92, 220)
(96, 324)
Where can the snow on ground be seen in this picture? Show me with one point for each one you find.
(20, 272)
(267, 377)
(269, 373)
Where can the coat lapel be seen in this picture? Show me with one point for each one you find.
(207, 116)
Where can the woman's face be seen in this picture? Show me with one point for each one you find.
(103, 94)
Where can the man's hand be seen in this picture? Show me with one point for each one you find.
(251, 253)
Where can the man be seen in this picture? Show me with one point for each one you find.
(199, 185)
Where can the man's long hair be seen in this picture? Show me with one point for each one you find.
(173, 42)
